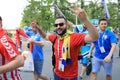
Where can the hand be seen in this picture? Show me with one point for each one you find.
(26, 54)
(79, 12)
(34, 24)
(37, 26)
(31, 40)
(70, 24)
(89, 55)
(107, 58)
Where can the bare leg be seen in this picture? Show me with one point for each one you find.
(43, 77)
(108, 77)
(93, 76)
(83, 71)
(36, 77)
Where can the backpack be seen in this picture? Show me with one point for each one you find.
(53, 55)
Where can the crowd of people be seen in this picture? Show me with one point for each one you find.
(69, 47)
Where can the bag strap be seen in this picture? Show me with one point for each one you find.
(53, 44)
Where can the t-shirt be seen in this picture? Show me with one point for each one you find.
(86, 48)
(37, 51)
(105, 40)
(8, 51)
(71, 70)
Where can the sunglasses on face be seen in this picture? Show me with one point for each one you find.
(60, 24)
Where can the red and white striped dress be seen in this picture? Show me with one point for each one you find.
(8, 51)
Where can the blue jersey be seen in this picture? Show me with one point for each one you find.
(37, 51)
(80, 29)
(105, 41)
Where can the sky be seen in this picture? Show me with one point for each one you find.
(11, 12)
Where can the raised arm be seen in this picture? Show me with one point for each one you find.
(39, 43)
(93, 33)
(70, 24)
(41, 32)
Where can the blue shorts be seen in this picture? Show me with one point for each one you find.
(58, 78)
(97, 63)
(38, 65)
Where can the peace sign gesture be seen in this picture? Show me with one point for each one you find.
(79, 12)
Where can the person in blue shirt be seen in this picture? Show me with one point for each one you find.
(37, 50)
(85, 50)
(104, 49)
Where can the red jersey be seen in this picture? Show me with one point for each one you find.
(8, 51)
(71, 70)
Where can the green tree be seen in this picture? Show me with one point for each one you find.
(42, 11)
(95, 9)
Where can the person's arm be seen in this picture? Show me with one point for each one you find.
(70, 24)
(93, 33)
(39, 43)
(42, 33)
(91, 49)
(112, 50)
(15, 63)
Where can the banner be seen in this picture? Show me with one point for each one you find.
(58, 10)
(106, 9)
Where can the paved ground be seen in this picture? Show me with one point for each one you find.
(48, 67)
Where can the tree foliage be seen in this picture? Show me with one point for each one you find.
(43, 12)
(40, 11)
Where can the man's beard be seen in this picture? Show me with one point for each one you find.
(63, 32)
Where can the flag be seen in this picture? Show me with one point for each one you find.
(106, 9)
(20, 32)
(58, 10)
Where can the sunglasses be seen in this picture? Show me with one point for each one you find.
(60, 24)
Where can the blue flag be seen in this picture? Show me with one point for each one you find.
(106, 9)
(58, 10)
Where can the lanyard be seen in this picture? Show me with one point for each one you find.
(59, 48)
(102, 40)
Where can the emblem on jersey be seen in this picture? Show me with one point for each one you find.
(105, 37)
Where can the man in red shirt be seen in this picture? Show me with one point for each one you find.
(67, 44)
(10, 58)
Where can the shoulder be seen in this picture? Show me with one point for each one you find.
(77, 39)
(109, 32)
(52, 37)
(77, 35)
